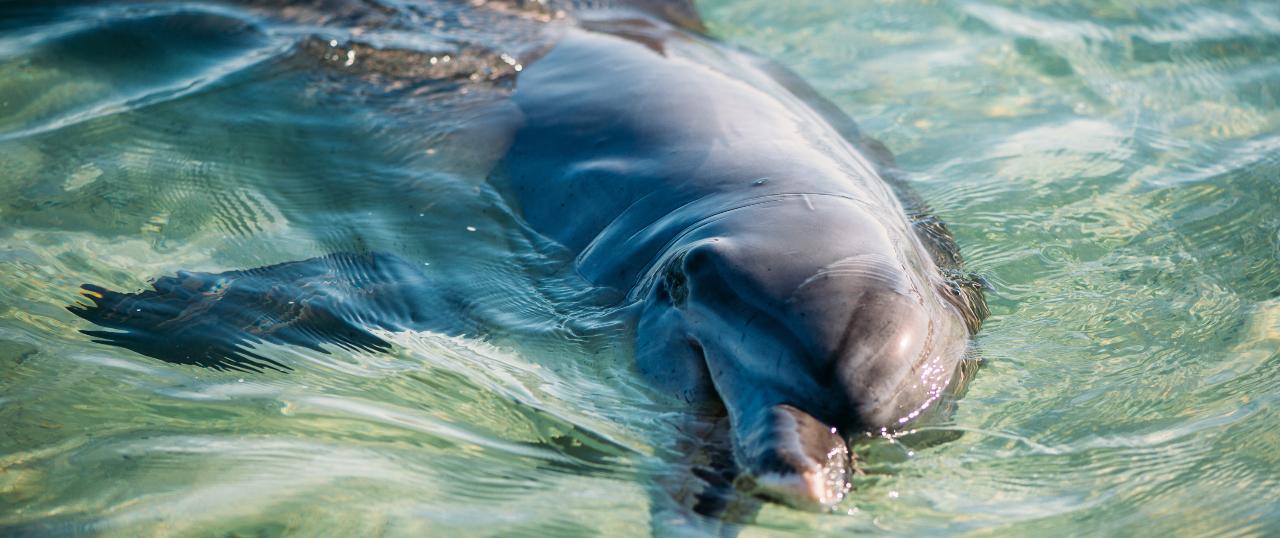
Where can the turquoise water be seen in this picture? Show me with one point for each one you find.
(1112, 168)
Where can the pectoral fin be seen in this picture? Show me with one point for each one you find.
(214, 320)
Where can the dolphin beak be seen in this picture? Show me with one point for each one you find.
(790, 457)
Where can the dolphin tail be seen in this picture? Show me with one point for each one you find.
(214, 320)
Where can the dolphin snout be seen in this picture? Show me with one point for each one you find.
(793, 458)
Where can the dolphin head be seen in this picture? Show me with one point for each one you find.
(811, 319)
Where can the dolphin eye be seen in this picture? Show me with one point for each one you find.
(674, 284)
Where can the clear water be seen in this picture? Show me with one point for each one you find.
(1112, 168)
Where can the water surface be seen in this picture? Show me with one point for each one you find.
(1112, 168)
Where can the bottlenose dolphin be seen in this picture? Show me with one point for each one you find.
(774, 264)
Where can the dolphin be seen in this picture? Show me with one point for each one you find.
(774, 265)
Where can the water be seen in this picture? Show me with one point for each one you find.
(1112, 168)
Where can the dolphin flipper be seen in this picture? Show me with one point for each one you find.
(215, 319)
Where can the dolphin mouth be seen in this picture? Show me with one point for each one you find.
(816, 489)
(781, 453)
(792, 458)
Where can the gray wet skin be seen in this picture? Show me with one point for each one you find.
(772, 268)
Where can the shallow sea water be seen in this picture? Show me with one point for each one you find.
(1111, 168)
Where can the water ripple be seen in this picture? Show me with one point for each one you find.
(151, 61)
